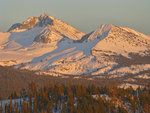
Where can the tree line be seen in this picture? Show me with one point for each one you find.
(79, 98)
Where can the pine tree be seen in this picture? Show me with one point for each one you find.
(133, 105)
(114, 90)
(23, 93)
(79, 108)
(13, 95)
(70, 104)
(85, 104)
(6, 108)
(1, 108)
(59, 104)
(90, 110)
(10, 110)
(52, 89)
(35, 105)
(63, 108)
(96, 108)
(16, 108)
(49, 107)
(25, 107)
(32, 88)
(101, 105)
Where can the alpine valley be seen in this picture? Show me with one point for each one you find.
(50, 46)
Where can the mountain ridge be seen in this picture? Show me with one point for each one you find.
(48, 45)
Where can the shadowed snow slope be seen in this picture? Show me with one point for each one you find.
(51, 46)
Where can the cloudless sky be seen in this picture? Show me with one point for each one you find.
(85, 15)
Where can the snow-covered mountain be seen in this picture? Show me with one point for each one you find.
(51, 26)
(48, 45)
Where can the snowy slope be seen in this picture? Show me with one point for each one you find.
(48, 45)
(103, 51)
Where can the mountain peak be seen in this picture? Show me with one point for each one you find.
(101, 32)
(45, 15)
(45, 19)
(107, 26)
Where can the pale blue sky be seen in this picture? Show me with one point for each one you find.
(85, 15)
